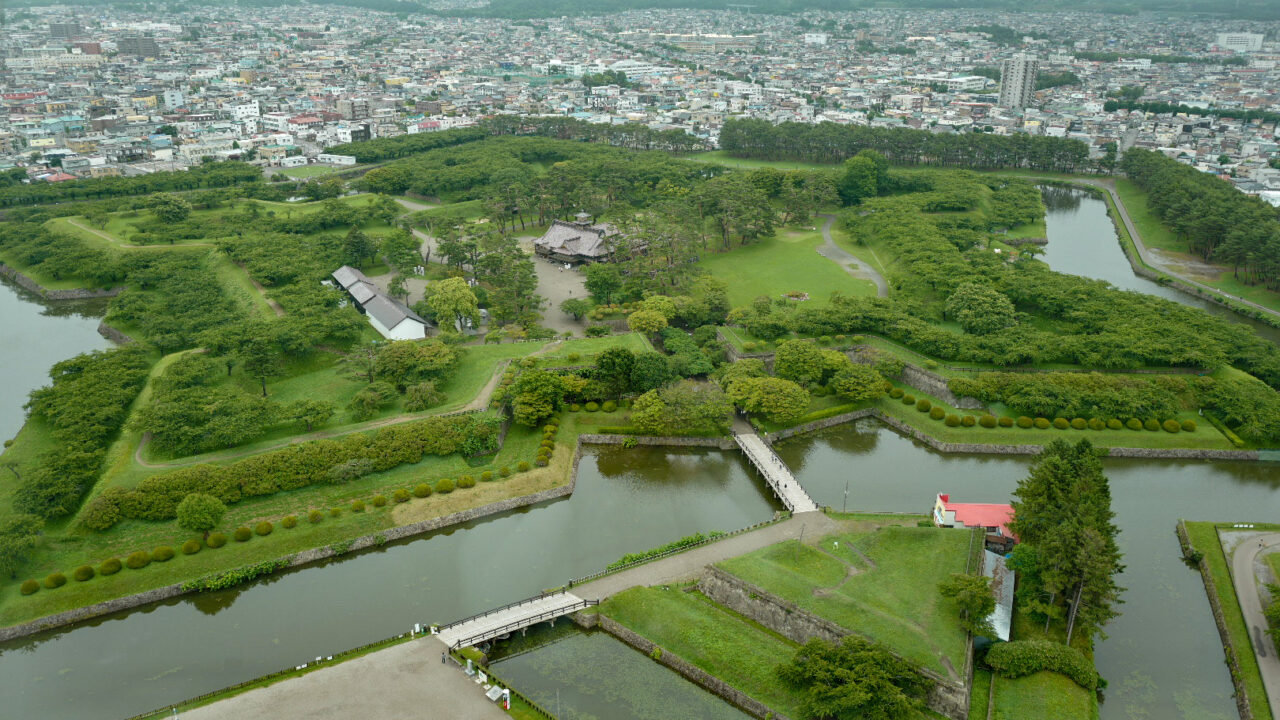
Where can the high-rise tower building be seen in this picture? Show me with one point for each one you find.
(1018, 81)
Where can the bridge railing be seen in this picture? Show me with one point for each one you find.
(522, 623)
(487, 613)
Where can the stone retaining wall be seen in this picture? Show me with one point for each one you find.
(74, 294)
(1215, 605)
(113, 334)
(694, 674)
(295, 560)
(918, 378)
(949, 697)
(711, 442)
(822, 424)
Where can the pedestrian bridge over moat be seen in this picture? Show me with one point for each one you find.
(775, 472)
(509, 618)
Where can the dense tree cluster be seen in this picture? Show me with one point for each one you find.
(1219, 222)
(208, 175)
(1085, 395)
(380, 149)
(830, 143)
(854, 678)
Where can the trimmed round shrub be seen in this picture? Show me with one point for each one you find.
(609, 406)
(575, 407)
(1025, 422)
(289, 522)
(486, 476)
(937, 413)
(1042, 423)
(445, 486)
(316, 516)
(1096, 424)
(400, 495)
(357, 506)
(138, 560)
(968, 421)
(216, 540)
(263, 528)
(1114, 424)
(55, 580)
(592, 407)
(379, 500)
(541, 461)
(749, 346)
(550, 428)
(1079, 423)
(110, 566)
(1005, 422)
(952, 421)
(1133, 424)
(825, 339)
(504, 471)
(164, 553)
(924, 405)
(522, 466)
(83, 573)
(1172, 426)
(1025, 657)
(335, 512)
(987, 421)
(1061, 423)
(422, 490)
(242, 534)
(191, 547)
(1151, 424)
(896, 393)
(29, 587)
(573, 357)
(466, 481)
(1188, 426)
(908, 399)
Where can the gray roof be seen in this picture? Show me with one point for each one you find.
(387, 310)
(577, 239)
(1002, 579)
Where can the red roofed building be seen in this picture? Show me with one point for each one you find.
(992, 517)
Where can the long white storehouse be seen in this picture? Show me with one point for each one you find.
(390, 317)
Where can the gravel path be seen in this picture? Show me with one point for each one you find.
(844, 259)
(1246, 562)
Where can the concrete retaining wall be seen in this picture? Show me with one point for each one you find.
(949, 697)
(74, 294)
(694, 674)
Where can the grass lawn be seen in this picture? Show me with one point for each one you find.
(1154, 233)
(720, 157)
(880, 583)
(712, 638)
(1042, 696)
(308, 171)
(588, 348)
(1204, 537)
(978, 697)
(781, 264)
(236, 283)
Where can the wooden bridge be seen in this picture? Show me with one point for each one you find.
(509, 618)
(775, 472)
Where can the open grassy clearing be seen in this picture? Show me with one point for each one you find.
(719, 157)
(979, 695)
(1042, 696)
(781, 264)
(309, 171)
(588, 348)
(1204, 537)
(892, 599)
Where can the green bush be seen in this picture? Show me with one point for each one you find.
(550, 429)
(83, 573)
(968, 421)
(609, 406)
(216, 540)
(591, 407)
(1061, 423)
(357, 506)
(422, 490)
(952, 421)
(138, 560)
(522, 466)
(55, 580)
(241, 534)
(164, 553)
(1114, 424)
(1079, 423)
(896, 393)
(191, 547)
(504, 471)
(575, 407)
(1042, 423)
(937, 413)
(29, 587)
(445, 485)
(401, 495)
(749, 346)
(1133, 424)
(908, 399)
(379, 500)
(466, 481)
(289, 522)
(987, 421)
(1151, 424)
(1005, 422)
(1026, 657)
(486, 476)
(1025, 422)
(335, 512)
(315, 516)
(924, 405)
(1172, 426)
(1096, 424)
(110, 566)
(263, 528)
(541, 461)
(1188, 426)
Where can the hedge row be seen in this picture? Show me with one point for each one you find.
(990, 421)
(1026, 657)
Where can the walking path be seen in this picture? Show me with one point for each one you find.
(415, 205)
(775, 472)
(508, 619)
(402, 681)
(1245, 562)
(844, 259)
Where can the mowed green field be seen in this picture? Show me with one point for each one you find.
(785, 263)
(1042, 696)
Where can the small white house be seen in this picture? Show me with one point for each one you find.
(292, 162)
(332, 159)
(390, 317)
